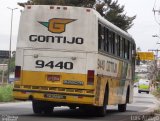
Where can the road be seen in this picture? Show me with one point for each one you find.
(22, 111)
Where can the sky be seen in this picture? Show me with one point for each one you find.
(144, 25)
(5, 23)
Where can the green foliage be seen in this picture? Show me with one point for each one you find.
(115, 15)
(136, 79)
(6, 93)
(38, 2)
(3, 61)
(12, 68)
(85, 3)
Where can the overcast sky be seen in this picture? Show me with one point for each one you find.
(142, 31)
(144, 25)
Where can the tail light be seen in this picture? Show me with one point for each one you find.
(90, 77)
(17, 71)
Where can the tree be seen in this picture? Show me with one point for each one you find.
(84, 3)
(115, 14)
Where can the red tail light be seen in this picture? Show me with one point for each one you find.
(17, 71)
(90, 77)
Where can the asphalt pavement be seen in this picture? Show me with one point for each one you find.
(143, 104)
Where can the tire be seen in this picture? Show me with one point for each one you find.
(101, 111)
(72, 107)
(40, 107)
(122, 107)
(139, 91)
(48, 110)
(37, 109)
(147, 92)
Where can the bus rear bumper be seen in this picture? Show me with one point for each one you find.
(65, 98)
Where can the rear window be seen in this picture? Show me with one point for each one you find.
(143, 81)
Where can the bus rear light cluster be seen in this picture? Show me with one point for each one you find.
(90, 77)
(17, 71)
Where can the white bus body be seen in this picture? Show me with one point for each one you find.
(57, 53)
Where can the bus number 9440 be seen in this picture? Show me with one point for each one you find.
(52, 64)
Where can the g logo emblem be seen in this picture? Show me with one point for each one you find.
(57, 25)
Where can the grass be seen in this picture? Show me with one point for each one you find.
(6, 93)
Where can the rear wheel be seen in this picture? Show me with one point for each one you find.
(37, 108)
(48, 110)
(122, 107)
(101, 111)
(41, 107)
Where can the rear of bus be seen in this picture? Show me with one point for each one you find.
(56, 55)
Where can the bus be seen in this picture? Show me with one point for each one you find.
(72, 56)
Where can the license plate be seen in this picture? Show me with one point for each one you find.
(53, 78)
(55, 96)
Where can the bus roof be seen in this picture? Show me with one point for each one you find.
(114, 27)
